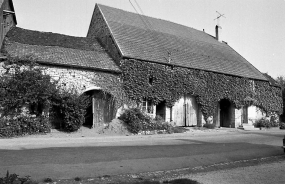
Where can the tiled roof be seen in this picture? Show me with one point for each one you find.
(272, 81)
(150, 39)
(51, 48)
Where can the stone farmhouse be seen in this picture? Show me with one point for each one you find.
(185, 76)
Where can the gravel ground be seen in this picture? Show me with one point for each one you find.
(257, 171)
(260, 174)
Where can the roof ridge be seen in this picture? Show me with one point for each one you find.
(33, 37)
(152, 18)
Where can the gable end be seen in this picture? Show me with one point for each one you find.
(99, 30)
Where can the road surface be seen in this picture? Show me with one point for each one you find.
(97, 156)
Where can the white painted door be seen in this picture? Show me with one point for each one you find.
(185, 111)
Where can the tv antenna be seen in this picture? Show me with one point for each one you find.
(169, 58)
(218, 17)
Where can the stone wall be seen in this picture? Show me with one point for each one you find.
(99, 29)
(72, 78)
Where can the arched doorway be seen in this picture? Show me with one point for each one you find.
(100, 110)
(225, 113)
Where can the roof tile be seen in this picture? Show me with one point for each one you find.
(146, 38)
(57, 49)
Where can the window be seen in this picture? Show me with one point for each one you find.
(252, 85)
(150, 80)
(147, 106)
(245, 115)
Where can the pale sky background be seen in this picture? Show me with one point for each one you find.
(254, 28)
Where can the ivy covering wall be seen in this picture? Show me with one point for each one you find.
(159, 83)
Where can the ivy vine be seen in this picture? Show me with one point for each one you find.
(169, 83)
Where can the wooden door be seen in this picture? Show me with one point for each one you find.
(245, 115)
(191, 111)
(102, 109)
(185, 111)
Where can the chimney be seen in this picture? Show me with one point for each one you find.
(218, 32)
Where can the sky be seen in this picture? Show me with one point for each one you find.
(254, 28)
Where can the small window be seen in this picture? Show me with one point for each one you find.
(147, 106)
(150, 80)
(252, 85)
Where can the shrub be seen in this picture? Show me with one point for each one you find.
(209, 126)
(181, 181)
(14, 178)
(263, 122)
(282, 125)
(160, 124)
(23, 125)
(70, 109)
(138, 121)
(179, 129)
(135, 120)
(23, 85)
(47, 180)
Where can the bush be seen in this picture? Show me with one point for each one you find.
(282, 125)
(23, 85)
(209, 126)
(135, 120)
(23, 125)
(14, 178)
(263, 122)
(138, 121)
(179, 129)
(70, 109)
(160, 124)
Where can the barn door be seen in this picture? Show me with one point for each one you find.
(97, 107)
(190, 111)
(185, 111)
(102, 109)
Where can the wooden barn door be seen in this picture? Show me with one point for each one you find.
(185, 111)
(190, 109)
(102, 108)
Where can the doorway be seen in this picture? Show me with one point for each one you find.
(100, 110)
(161, 110)
(225, 113)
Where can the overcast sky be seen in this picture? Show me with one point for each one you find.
(254, 28)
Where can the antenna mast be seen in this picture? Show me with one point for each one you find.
(218, 18)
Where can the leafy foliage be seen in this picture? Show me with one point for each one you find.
(135, 119)
(15, 179)
(23, 125)
(171, 83)
(210, 126)
(281, 82)
(282, 125)
(24, 84)
(267, 123)
(138, 121)
(71, 109)
(113, 85)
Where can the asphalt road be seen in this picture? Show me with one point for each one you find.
(92, 157)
